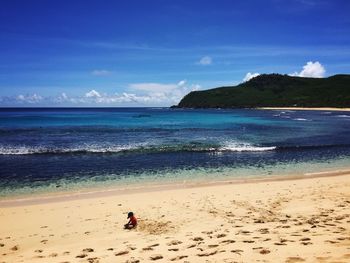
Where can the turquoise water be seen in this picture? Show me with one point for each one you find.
(43, 150)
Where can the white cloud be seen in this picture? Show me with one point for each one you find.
(249, 76)
(205, 61)
(181, 83)
(312, 70)
(64, 96)
(136, 94)
(31, 99)
(100, 72)
(93, 94)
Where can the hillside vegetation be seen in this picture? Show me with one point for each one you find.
(275, 90)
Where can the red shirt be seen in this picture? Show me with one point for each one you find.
(133, 220)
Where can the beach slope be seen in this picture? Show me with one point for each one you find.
(272, 221)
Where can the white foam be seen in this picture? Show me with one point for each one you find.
(25, 150)
(343, 116)
(227, 146)
(245, 147)
(300, 119)
(17, 151)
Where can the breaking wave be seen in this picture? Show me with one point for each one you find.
(162, 148)
(136, 148)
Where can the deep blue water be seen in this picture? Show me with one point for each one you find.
(42, 147)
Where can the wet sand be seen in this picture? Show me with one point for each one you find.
(290, 220)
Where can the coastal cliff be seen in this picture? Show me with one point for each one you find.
(274, 90)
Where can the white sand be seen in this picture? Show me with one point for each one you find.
(304, 220)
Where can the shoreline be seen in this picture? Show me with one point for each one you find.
(291, 220)
(99, 192)
(304, 108)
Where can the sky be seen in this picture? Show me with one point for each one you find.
(153, 52)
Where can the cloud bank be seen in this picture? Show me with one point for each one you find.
(138, 94)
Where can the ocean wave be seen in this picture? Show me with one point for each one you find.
(25, 150)
(162, 148)
(343, 116)
(300, 119)
(245, 147)
(136, 148)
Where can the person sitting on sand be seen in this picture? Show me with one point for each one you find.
(132, 221)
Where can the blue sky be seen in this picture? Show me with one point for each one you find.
(151, 53)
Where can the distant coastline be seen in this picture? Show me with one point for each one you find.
(275, 91)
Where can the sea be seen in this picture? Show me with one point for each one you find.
(44, 150)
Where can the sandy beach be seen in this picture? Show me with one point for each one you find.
(294, 220)
(304, 108)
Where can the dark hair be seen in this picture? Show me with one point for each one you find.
(130, 214)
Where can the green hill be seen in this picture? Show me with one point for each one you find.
(275, 90)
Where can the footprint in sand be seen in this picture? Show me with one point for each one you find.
(83, 255)
(264, 251)
(173, 249)
(131, 247)
(53, 255)
(191, 246)
(197, 239)
(227, 241)
(174, 242)
(88, 250)
(156, 257)
(280, 244)
(213, 246)
(132, 260)
(178, 258)
(2, 245)
(306, 243)
(156, 245)
(93, 260)
(207, 254)
(121, 253)
(237, 251)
